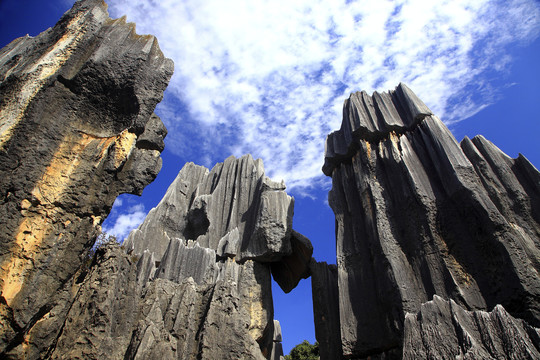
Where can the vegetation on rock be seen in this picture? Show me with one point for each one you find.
(304, 351)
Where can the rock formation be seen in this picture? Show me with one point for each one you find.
(76, 129)
(421, 218)
(444, 330)
(207, 252)
(194, 280)
(438, 243)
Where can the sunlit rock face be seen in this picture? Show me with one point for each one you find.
(194, 280)
(207, 252)
(417, 215)
(76, 129)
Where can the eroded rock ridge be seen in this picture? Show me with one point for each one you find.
(216, 237)
(76, 129)
(194, 280)
(422, 219)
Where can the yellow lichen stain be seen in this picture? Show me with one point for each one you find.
(463, 277)
(96, 220)
(368, 149)
(395, 139)
(39, 222)
(30, 233)
(257, 316)
(124, 144)
(367, 204)
(46, 66)
(460, 276)
(65, 161)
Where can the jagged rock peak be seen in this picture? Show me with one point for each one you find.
(215, 239)
(373, 118)
(233, 209)
(444, 330)
(76, 129)
(419, 214)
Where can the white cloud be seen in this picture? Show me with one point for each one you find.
(129, 219)
(269, 77)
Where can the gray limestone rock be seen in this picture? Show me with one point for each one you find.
(217, 233)
(194, 280)
(182, 261)
(168, 219)
(76, 130)
(444, 330)
(233, 209)
(292, 268)
(225, 319)
(277, 348)
(103, 312)
(325, 293)
(228, 244)
(220, 231)
(202, 289)
(418, 215)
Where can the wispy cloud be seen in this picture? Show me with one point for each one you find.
(269, 77)
(121, 225)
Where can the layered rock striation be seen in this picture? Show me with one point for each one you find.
(216, 238)
(420, 215)
(76, 129)
(444, 330)
(194, 280)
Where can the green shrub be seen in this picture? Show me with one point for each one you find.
(304, 351)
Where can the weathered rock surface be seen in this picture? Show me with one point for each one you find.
(325, 294)
(292, 268)
(172, 292)
(76, 130)
(219, 235)
(444, 330)
(233, 209)
(418, 215)
(277, 349)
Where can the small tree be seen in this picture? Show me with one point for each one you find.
(304, 351)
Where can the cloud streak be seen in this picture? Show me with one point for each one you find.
(270, 77)
(130, 219)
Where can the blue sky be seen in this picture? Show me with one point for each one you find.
(269, 78)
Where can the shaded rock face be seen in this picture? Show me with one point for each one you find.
(166, 295)
(418, 215)
(76, 129)
(324, 290)
(462, 334)
(277, 349)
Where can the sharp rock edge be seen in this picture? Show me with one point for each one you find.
(420, 215)
(76, 129)
(172, 291)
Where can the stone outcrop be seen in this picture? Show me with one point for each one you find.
(215, 238)
(194, 280)
(444, 330)
(277, 349)
(325, 294)
(76, 129)
(419, 215)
